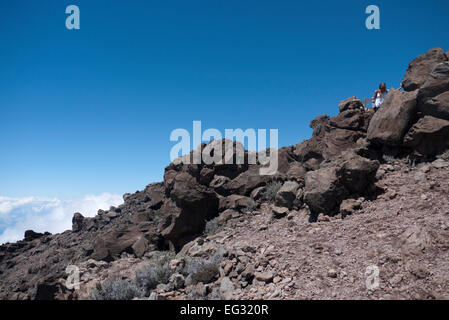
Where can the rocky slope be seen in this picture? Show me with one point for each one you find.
(366, 190)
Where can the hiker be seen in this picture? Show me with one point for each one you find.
(379, 96)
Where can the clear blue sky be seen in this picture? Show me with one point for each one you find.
(91, 110)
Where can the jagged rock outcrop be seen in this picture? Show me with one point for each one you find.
(419, 68)
(77, 222)
(331, 136)
(30, 235)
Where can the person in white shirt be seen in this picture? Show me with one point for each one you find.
(379, 96)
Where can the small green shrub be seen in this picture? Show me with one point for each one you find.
(271, 190)
(212, 227)
(148, 277)
(252, 205)
(202, 269)
(115, 289)
(389, 159)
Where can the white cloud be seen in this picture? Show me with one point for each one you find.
(47, 214)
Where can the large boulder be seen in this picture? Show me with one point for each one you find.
(287, 194)
(429, 136)
(187, 191)
(323, 191)
(338, 140)
(356, 173)
(31, 235)
(392, 121)
(77, 222)
(351, 103)
(349, 174)
(218, 182)
(296, 171)
(353, 119)
(110, 245)
(234, 201)
(419, 69)
(437, 82)
(246, 182)
(154, 195)
(437, 107)
(190, 205)
(286, 159)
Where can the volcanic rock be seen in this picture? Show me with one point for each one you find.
(420, 67)
(392, 121)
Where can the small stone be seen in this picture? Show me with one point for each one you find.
(292, 214)
(266, 277)
(392, 195)
(439, 164)
(275, 294)
(112, 214)
(227, 268)
(153, 296)
(332, 273)
(279, 212)
(177, 280)
(323, 218)
(379, 174)
(396, 280)
(348, 206)
(175, 263)
(248, 273)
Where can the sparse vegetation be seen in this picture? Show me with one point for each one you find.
(202, 269)
(115, 289)
(389, 159)
(271, 190)
(212, 227)
(252, 205)
(148, 277)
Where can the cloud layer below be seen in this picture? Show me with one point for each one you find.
(47, 214)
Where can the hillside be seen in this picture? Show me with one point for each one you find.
(367, 190)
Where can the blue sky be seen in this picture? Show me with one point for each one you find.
(90, 111)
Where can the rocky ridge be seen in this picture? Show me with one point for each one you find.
(367, 189)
